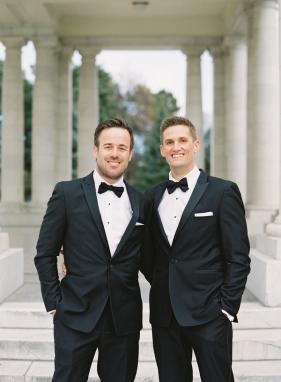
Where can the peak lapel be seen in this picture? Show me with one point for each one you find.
(135, 208)
(199, 189)
(89, 189)
(157, 199)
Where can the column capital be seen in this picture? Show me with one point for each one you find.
(193, 51)
(13, 42)
(88, 52)
(218, 51)
(46, 42)
(66, 51)
(234, 41)
(251, 4)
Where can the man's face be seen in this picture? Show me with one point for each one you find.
(113, 153)
(179, 148)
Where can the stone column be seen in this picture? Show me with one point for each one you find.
(264, 279)
(12, 177)
(88, 111)
(63, 165)
(218, 157)
(45, 101)
(263, 162)
(236, 112)
(275, 228)
(194, 97)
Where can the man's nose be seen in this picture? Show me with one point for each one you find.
(114, 152)
(176, 146)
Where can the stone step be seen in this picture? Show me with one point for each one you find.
(37, 344)
(24, 371)
(252, 315)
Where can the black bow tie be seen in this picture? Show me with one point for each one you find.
(103, 187)
(182, 184)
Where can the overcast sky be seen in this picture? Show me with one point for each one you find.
(155, 69)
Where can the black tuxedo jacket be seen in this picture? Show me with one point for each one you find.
(206, 268)
(93, 276)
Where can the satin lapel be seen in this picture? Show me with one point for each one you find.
(157, 199)
(135, 208)
(89, 189)
(196, 195)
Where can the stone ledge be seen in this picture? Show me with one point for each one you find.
(11, 271)
(264, 278)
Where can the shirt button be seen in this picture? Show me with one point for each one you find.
(175, 217)
(107, 222)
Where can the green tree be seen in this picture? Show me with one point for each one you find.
(153, 168)
(1, 78)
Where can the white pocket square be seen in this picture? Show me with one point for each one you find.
(138, 223)
(203, 214)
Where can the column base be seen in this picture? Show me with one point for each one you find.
(257, 219)
(274, 229)
(22, 222)
(11, 267)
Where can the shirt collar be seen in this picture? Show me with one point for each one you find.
(191, 177)
(98, 179)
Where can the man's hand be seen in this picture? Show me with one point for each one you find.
(53, 313)
(63, 267)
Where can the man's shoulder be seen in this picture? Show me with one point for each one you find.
(68, 185)
(220, 182)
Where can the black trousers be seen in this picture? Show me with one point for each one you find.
(211, 343)
(74, 352)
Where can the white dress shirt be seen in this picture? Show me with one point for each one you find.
(172, 205)
(116, 213)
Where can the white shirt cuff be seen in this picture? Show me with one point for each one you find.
(229, 316)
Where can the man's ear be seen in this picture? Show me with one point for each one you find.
(95, 150)
(131, 155)
(196, 146)
(161, 151)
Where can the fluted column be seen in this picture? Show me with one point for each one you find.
(218, 154)
(64, 125)
(264, 152)
(263, 105)
(194, 97)
(44, 120)
(274, 229)
(236, 112)
(12, 177)
(88, 111)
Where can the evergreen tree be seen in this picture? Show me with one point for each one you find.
(153, 168)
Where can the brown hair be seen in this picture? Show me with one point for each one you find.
(173, 121)
(111, 123)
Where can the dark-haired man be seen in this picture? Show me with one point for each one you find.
(98, 220)
(198, 264)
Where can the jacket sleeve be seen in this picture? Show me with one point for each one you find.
(236, 247)
(48, 248)
(146, 266)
